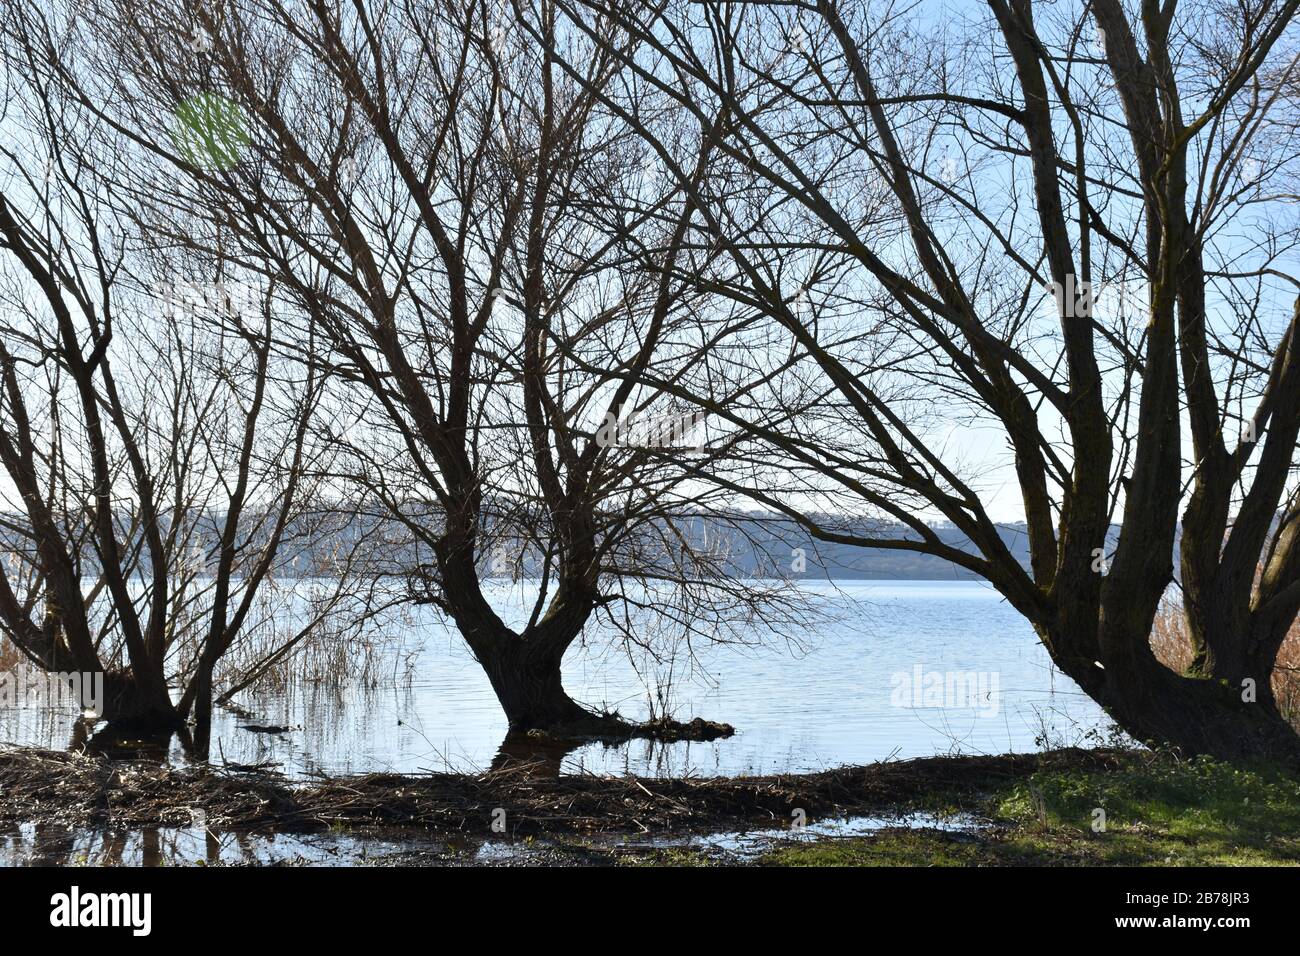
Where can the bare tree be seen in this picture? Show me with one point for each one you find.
(159, 455)
(490, 266)
(934, 216)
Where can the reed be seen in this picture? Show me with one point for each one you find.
(1172, 646)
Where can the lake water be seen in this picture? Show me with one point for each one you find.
(843, 694)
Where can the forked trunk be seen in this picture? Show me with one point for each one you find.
(526, 677)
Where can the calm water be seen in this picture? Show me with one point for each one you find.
(837, 697)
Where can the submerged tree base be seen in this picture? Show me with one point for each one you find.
(542, 752)
(612, 728)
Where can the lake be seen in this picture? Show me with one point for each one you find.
(899, 669)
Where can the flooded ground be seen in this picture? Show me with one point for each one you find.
(842, 695)
(46, 845)
(851, 692)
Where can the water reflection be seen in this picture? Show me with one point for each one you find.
(198, 845)
(49, 844)
(542, 757)
(106, 740)
(828, 701)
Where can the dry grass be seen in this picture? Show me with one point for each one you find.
(326, 658)
(81, 789)
(1173, 648)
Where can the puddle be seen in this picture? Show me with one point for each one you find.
(29, 844)
(744, 845)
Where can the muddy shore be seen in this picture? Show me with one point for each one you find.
(84, 790)
(1066, 807)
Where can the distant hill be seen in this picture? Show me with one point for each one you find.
(750, 545)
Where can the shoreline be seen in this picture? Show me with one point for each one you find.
(1006, 810)
(82, 789)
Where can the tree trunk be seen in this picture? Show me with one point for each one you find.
(526, 677)
(1195, 715)
(132, 704)
(1202, 716)
(203, 711)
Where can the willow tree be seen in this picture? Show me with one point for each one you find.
(489, 264)
(159, 456)
(1069, 226)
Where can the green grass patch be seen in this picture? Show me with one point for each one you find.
(1145, 809)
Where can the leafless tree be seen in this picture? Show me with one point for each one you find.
(160, 464)
(489, 265)
(1067, 227)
